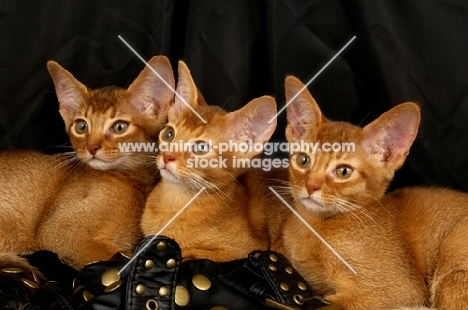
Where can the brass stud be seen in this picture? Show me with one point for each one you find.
(87, 296)
(113, 286)
(182, 296)
(272, 267)
(273, 258)
(12, 270)
(289, 270)
(149, 264)
(218, 308)
(152, 304)
(302, 286)
(140, 289)
(36, 277)
(171, 263)
(30, 283)
(201, 282)
(126, 254)
(110, 276)
(298, 299)
(284, 286)
(163, 291)
(161, 246)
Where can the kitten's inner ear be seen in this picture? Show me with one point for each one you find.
(303, 111)
(70, 92)
(187, 92)
(392, 134)
(251, 122)
(150, 94)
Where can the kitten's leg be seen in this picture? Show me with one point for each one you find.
(450, 281)
(11, 260)
(88, 251)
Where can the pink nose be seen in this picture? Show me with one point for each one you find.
(312, 187)
(168, 158)
(93, 148)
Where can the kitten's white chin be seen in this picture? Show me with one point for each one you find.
(314, 206)
(101, 165)
(167, 175)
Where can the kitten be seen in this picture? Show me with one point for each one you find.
(339, 194)
(86, 205)
(225, 221)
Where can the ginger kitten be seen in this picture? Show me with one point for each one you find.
(86, 205)
(225, 221)
(339, 194)
(433, 222)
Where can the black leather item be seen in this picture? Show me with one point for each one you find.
(158, 279)
(26, 290)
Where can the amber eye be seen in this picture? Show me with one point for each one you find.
(120, 127)
(303, 161)
(201, 147)
(168, 134)
(81, 126)
(344, 172)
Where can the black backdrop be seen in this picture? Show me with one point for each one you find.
(237, 50)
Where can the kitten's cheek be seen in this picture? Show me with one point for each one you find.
(160, 163)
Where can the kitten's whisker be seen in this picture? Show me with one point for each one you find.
(380, 204)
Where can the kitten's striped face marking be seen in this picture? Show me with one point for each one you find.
(101, 123)
(198, 161)
(328, 182)
(108, 121)
(340, 180)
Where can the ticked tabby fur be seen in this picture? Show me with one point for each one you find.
(86, 205)
(408, 246)
(225, 221)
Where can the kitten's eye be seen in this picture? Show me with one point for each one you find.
(120, 127)
(344, 172)
(201, 147)
(303, 161)
(167, 134)
(81, 126)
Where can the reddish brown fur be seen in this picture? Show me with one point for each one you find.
(224, 222)
(61, 203)
(408, 247)
(347, 212)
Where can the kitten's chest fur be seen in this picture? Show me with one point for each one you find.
(354, 237)
(218, 226)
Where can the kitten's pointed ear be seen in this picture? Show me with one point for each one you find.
(392, 134)
(187, 92)
(303, 112)
(152, 94)
(70, 92)
(251, 123)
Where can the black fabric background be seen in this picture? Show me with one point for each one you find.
(238, 50)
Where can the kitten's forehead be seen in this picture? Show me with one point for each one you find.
(108, 100)
(332, 132)
(189, 125)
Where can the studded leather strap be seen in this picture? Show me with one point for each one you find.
(288, 285)
(158, 279)
(152, 276)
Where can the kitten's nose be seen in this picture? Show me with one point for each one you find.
(168, 158)
(312, 187)
(93, 148)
